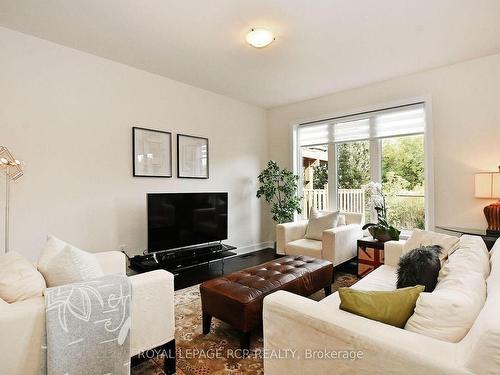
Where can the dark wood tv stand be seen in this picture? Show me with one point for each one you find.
(181, 260)
(226, 264)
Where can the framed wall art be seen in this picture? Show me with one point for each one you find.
(192, 156)
(152, 153)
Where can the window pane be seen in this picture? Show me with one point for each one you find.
(353, 171)
(314, 178)
(403, 181)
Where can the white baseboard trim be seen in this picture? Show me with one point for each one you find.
(254, 247)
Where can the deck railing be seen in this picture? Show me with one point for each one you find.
(348, 200)
(351, 200)
(317, 198)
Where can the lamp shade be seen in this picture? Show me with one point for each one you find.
(487, 185)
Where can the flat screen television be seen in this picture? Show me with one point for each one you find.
(185, 219)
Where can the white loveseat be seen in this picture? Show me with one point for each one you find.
(152, 312)
(338, 245)
(299, 323)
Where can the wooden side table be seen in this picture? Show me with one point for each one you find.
(370, 255)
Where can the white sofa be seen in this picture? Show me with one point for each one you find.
(338, 244)
(152, 312)
(299, 323)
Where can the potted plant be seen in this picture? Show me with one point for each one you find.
(381, 230)
(278, 186)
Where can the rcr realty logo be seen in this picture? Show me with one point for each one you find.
(219, 353)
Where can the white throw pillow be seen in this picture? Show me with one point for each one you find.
(342, 220)
(421, 238)
(451, 309)
(320, 221)
(61, 263)
(472, 255)
(19, 279)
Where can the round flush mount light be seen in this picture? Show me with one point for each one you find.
(259, 37)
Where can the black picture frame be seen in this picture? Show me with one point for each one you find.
(180, 169)
(135, 132)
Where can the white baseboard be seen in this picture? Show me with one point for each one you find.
(254, 247)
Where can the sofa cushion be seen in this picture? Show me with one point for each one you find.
(61, 263)
(382, 278)
(304, 246)
(320, 221)
(483, 340)
(389, 307)
(19, 279)
(3, 303)
(421, 238)
(450, 310)
(472, 255)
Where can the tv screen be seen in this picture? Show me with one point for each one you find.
(185, 219)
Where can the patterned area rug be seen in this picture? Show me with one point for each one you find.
(222, 339)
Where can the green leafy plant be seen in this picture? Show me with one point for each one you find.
(381, 230)
(320, 176)
(278, 186)
(353, 166)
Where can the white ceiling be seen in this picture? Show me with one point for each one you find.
(321, 46)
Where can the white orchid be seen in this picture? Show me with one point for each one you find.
(373, 188)
(376, 197)
(376, 201)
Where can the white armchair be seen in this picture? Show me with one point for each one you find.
(152, 311)
(338, 245)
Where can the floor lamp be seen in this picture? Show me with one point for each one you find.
(13, 171)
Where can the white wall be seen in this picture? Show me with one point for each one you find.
(466, 128)
(69, 115)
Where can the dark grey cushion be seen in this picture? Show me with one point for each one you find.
(420, 267)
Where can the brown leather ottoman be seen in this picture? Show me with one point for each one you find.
(237, 298)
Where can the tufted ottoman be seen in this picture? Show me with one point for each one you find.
(237, 298)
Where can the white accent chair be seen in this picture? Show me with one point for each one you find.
(152, 311)
(338, 244)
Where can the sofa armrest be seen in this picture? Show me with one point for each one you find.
(152, 310)
(22, 325)
(340, 243)
(112, 262)
(289, 232)
(307, 327)
(393, 251)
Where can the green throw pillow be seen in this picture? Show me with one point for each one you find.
(394, 307)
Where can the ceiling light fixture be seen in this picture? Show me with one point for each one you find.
(259, 37)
